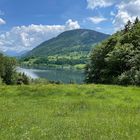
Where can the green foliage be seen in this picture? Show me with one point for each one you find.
(7, 69)
(1, 82)
(22, 79)
(117, 60)
(8, 74)
(69, 112)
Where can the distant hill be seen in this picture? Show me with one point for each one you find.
(69, 41)
(70, 45)
(14, 54)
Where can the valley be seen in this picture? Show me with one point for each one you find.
(69, 70)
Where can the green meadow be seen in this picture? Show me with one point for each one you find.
(69, 112)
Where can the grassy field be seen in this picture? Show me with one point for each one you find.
(69, 112)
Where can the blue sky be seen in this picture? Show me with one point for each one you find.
(50, 12)
(26, 23)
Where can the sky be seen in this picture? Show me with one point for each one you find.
(24, 24)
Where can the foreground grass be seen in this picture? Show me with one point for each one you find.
(69, 112)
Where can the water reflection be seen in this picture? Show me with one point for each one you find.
(29, 72)
(62, 75)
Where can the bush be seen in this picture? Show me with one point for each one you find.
(124, 79)
(23, 79)
(137, 78)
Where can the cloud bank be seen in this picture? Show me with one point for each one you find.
(23, 38)
(125, 10)
(97, 20)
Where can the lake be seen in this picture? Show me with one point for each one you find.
(52, 74)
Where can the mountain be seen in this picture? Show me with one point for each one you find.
(69, 47)
(15, 54)
(117, 59)
(69, 41)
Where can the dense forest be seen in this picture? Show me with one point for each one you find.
(117, 59)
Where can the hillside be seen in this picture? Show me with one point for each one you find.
(70, 47)
(117, 59)
(69, 41)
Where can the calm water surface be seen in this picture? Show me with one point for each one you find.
(62, 75)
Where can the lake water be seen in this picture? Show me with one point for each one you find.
(62, 75)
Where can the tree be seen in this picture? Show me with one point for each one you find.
(7, 69)
(10, 65)
(136, 21)
(128, 26)
(117, 59)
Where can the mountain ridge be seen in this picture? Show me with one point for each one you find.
(70, 34)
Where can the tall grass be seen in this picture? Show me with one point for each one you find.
(69, 112)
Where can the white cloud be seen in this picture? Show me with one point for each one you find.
(2, 21)
(112, 13)
(72, 25)
(127, 10)
(23, 38)
(92, 4)
(98, 28)
(97, 20)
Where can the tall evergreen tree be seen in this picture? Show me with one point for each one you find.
(128, 26)
(136, 20)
